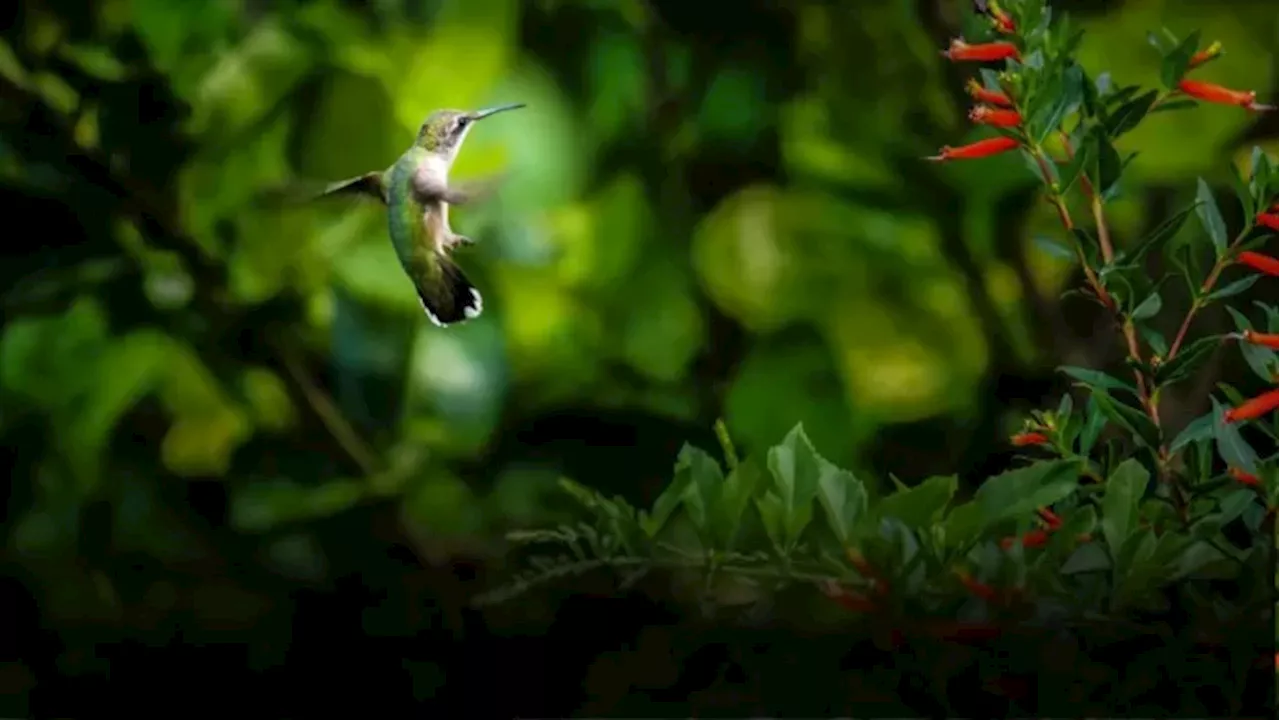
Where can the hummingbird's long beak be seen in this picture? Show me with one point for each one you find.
(481, 114)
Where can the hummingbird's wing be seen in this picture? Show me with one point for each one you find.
(370, 184)
(446, 294)
(432, 189)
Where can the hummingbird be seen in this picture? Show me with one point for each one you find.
(417, 194)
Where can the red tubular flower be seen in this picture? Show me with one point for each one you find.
(980, 149)
(1029, 438)
(984, 115)
(980, 589)
(1003, 22)
(982, 52)
(1030, 539)
(1242, 477)
(1262, 263)
(1209, 92)
(1254, 408)
(1205, 55)
(1050, 518)
(1263, 339)
(983, 95)
(1269, 220)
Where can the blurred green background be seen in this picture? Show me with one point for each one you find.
(228, 420)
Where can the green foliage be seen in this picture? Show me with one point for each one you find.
(1131, 510)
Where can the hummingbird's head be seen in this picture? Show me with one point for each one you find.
(444, 130)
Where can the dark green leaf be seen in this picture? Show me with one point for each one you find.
(1162, 233)
(1241, 187)
(1131, 419)
(1261, 360)
(740, 487)
(1127, 116)
(1089, 557)
(1210, 217)
(1066, 97)
(1188, 360)
(1125, 488)
(1084, 153)
(797, 472)
(1109, 166)
(1095, 421)
(1054, 248)
(1097, 379)
(1148, 308)
(1020, 492)
(1158, 344)
(1231, 447)
(1173, 105)
(1197, 430)
(670, 499)
(843, 498)
(1175, 63)
(1233, 289)
(702, 479)
(922, 505)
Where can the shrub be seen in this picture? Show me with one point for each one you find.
(1113, 514)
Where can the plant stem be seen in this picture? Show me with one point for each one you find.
(1205, 288)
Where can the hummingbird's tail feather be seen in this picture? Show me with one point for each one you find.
(448, 296)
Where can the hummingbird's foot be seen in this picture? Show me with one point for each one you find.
(459, 240)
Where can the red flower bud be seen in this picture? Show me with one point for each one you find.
(1261, 263)
(980, 589)
(1050, 518)
(1263, 339)
(980, 149)
(1209, 92)
(984, 115)
(1269, 220)
(1030, 539)
(1205, 55)
(982, 52)
(983, 95)
(1254, 408)
(1029, 438)
(1002, 21)
(1242, 477)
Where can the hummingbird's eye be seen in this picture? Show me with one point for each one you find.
(463, 121)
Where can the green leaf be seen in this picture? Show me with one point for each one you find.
(1148, 308)
(1125, 488)
(1173, 105)
(1188, 360)
(1127, 116)
(701, 477)
(1211, 217)
(1107, 175)
(1231, 446)
(1158, 344)
(922, 505)
(1131, 419)
(1095, 421)
(1054, 248)
(1089, 557)
(1096, 379)
(1162, 233)
(1260, 359)
(1174, 66)
(1233, 289)
(843, 498)
(1197, 430)
(740, 487)
(670, 500)
(1067, 95)
(1020, 492)
(797, 470)
(964, 523)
